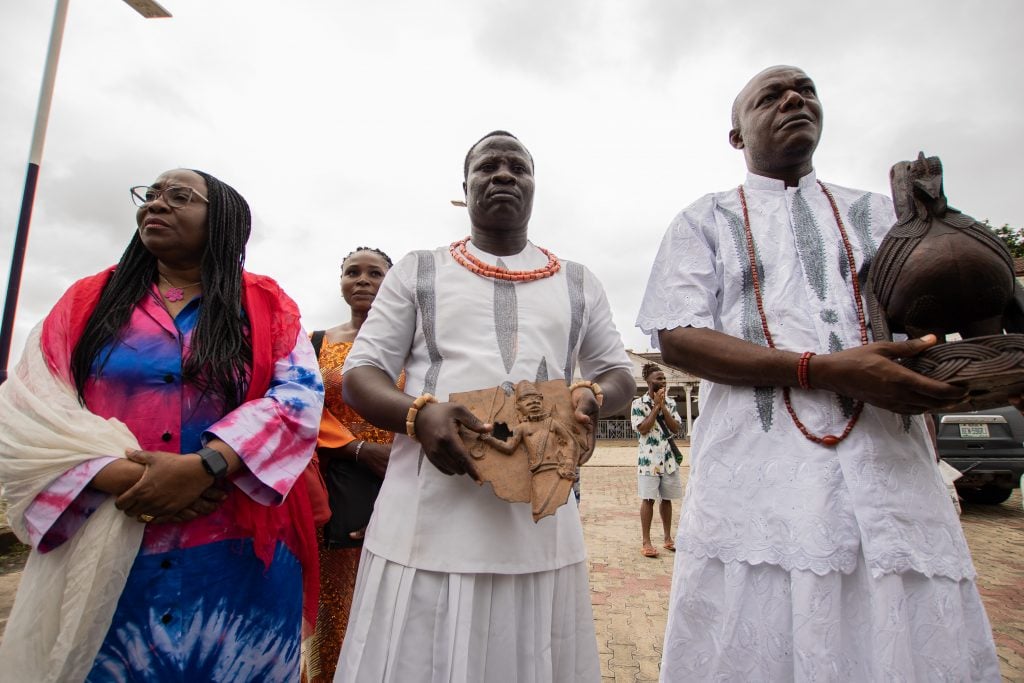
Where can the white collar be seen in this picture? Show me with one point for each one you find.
(487, 256)
(760, 182)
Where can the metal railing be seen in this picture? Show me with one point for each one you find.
(622, 429)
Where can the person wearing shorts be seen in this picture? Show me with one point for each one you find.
(655, 419)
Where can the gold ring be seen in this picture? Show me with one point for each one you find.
(146, 518)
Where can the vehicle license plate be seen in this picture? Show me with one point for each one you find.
(973, 431)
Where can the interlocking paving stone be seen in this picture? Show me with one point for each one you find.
(630, 592)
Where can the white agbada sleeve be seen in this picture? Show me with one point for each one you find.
(683, 287)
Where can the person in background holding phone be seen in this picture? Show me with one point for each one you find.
(655, 419)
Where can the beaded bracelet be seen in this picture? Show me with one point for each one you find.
(593, 386)
(803, 368)
(359, 447)
(410, 417)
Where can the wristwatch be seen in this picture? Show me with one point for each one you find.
(215, 464)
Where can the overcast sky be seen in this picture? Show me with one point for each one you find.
(345, 123)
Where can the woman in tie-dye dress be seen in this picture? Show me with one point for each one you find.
(182, 389)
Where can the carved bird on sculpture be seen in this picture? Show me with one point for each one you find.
(938, 270)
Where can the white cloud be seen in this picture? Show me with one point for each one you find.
(346, 123)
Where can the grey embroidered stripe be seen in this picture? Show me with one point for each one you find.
(859, 217)
(574, 275)
(809, 245)
(843, 262)
(752, 330)
(426, 301)
(846, 404)
(542, 370)
(835, 344)
(764, 397)
(506, 320)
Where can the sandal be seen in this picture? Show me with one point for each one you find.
(669, 545)
(648, 551)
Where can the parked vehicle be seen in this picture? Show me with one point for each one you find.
(987, 447)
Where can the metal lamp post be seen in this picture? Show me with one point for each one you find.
(147, 8)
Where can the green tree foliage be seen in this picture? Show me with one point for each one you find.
(1012, 237)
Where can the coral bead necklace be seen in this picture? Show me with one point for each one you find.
(829, 439)
(460, 252)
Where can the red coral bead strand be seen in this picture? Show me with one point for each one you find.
(803, 366)
(460, 252)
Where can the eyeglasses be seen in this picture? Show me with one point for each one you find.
(176, 196)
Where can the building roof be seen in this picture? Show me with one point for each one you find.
(674, 376)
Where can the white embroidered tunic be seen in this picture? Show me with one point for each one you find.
(759, 491)
(451, 331)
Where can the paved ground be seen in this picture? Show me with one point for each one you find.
(630, 592)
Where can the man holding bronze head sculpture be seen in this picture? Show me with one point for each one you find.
(455, 582)
(816, 538)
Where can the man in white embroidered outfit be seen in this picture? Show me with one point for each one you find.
(816, 541)
(456, 584)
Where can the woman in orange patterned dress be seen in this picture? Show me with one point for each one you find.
(353, 457)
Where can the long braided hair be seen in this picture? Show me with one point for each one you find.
(221, 353)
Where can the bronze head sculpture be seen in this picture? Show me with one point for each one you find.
(939, 271)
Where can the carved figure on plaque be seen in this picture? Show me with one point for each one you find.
(939, 271)
(535, 447)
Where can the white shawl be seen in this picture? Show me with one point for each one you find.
(66, 599)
